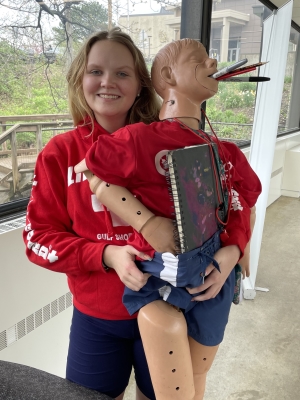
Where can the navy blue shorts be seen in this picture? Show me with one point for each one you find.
(102, 353)
(206, 320)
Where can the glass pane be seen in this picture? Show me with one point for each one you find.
(236, 33)
(288, 120)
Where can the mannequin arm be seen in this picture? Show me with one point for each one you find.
(157, 231)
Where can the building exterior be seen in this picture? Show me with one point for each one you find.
(151, 32)
(236, 28)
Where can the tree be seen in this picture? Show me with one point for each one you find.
(10, 70)
(27, 33)
(86, 18)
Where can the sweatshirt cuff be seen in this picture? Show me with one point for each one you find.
(238, 238)
(90, 257)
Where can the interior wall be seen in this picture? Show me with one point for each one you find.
(35, 309)
(45, 348)
(24, 287)
(283, 144)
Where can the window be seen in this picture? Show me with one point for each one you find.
(32, 71)
(236, 33)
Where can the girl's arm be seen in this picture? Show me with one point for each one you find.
(50, 239)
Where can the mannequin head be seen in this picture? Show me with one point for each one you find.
(180, 75)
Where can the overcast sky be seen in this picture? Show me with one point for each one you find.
(135, 6)
(148, 6)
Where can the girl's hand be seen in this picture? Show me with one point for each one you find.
(227, 257)
(121, 259)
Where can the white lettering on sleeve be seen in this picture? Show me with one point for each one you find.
(52, 256)
(235, 201)
(43, 252)
(29, 235)
(28, 227)
(36, 248)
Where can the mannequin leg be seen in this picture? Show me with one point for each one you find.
(164, 335)
(202, 359)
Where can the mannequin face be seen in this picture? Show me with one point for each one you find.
(192, 71)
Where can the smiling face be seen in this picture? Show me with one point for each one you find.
(191, 72)
(110, 83)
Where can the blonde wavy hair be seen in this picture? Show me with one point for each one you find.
(145, 107)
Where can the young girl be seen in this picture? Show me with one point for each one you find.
(109, 87)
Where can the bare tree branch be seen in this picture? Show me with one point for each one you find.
(45, 8)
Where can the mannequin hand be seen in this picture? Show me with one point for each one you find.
(121, 259)
(159, 233)
(227, 257)
(245, 261)
(94, 181)
(81, 167)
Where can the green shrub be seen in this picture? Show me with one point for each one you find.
(287, 79)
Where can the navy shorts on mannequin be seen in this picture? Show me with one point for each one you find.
(102, 353)
(170, 275)
(207, 321)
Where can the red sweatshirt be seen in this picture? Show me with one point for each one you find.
(66, 229)
(132, 157)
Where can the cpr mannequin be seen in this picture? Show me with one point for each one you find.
(178, 364)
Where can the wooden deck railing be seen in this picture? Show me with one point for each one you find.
(11, 167)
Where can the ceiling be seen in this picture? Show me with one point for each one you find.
(296, 9)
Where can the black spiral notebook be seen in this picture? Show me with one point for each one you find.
(197, 194)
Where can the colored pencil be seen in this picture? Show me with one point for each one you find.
(236, 72)
(230, 68)
(248, 79)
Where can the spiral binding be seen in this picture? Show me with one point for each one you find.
(171, 173)
(179, 243)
